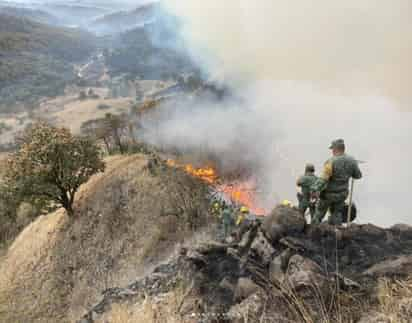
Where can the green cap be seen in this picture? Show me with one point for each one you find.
(309, 168)
(338, 143)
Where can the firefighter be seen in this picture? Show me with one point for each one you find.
(305, 182)
(244, 220)
(227, 221)
(332, 187)
(287, 203)
(241, 216)
(216, 209)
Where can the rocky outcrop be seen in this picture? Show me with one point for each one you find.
(278, 271)
(283, 221)
(392, 267)
(306, 275)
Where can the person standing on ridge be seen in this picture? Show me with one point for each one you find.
(332, 187)
(305, 182)
(227, 221)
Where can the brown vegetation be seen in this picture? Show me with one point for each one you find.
(126, 223)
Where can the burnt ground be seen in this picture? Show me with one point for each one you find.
(281, 270)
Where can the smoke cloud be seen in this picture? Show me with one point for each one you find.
(360, 45)
(305, 74)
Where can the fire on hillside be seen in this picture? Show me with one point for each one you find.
(240, 192)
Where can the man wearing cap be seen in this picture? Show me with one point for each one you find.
(332, 187)
(305, 182)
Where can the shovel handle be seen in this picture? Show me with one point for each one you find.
(352, 183)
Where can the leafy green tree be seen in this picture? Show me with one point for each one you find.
(51, 164)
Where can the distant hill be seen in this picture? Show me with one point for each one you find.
(125, 20)
(32, 14)
(76, 14)
(152, 51)
(36, 59)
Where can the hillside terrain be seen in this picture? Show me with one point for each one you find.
(152, 51)
(278, 270)
(143, 247)
(36, 59)
(33, 14)
(153, 160)
(75, 14)
(125, 20)
(128, 220)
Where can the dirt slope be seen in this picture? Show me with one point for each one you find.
(58, 267)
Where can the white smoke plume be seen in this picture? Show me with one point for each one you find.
(307, 73)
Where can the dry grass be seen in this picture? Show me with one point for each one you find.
(395, 300)
(57, 268)
(25, 269)
(73, 114)
(163, 309)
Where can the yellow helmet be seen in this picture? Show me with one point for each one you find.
(287, 203)
(244, 209)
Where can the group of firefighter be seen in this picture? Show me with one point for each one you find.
(318, 194)
(230, 216)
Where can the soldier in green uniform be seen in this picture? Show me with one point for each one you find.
(227, 221)
(332, 187)
(305, 182)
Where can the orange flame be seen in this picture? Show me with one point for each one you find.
(241, 193)
(207, 174)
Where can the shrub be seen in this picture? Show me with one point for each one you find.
(51, 164)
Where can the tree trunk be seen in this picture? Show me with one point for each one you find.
(67, 203)
(69, 210)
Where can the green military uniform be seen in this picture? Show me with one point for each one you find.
(227, 221)
(306, 182)
(333, 185)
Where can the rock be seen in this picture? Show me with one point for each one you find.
(227, 284)
(404, 231)
(246, 239)
(299, 244)
(249, 310)
(233, 253)
(401, 266)
(262, 249)
(196, 257)
(211, 247)
(323, 231)
(275, 270)
(244, 288)
(364, 232)
(304, 274)
(278, 266)
(281, 222)
(346, 283)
